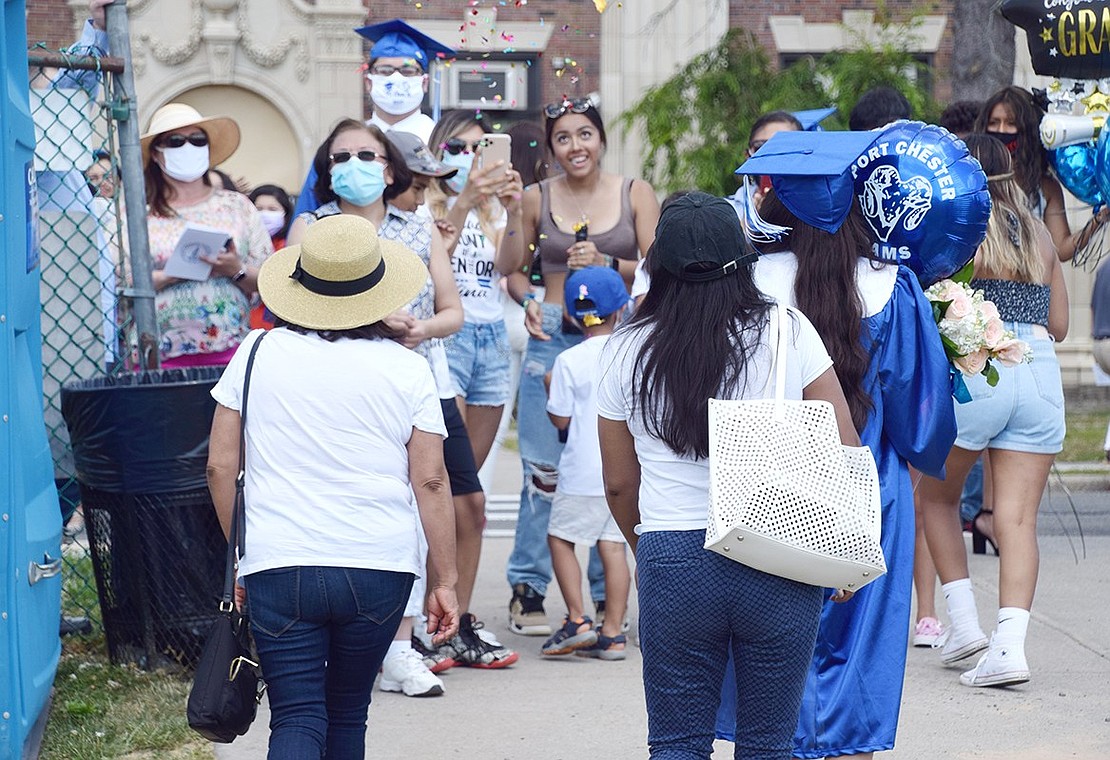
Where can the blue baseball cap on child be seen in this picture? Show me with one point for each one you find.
(396, 39)
(595, 292)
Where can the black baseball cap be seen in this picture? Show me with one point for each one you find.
(699, 238)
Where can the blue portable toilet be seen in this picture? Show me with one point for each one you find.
(30, 520)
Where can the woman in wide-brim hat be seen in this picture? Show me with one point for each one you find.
(200, 322)
(344, 426)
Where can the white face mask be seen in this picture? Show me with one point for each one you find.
(396, 94)
(273, 221)
(185, 164)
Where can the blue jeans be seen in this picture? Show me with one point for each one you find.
(321, 635)
(478, 357)
(530, 562)
(695, 608)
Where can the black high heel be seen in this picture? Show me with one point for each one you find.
(979, 539)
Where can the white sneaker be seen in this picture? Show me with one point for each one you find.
(960, 644)
(406, 672)
(1002, 665)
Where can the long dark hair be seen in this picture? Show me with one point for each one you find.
(158, 190)
(402, 177)
(590, 113)
(702, 337)
(825, 291)
(282, 198)
(530, 155)
(1030, 159)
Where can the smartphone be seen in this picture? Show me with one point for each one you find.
(495, 147)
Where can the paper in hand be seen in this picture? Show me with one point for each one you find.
(197, 243)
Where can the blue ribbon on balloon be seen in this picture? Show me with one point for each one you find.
(959, 387)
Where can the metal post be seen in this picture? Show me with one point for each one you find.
(125, 111)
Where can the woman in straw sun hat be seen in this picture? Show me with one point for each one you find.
(201, 322)
(344, 427)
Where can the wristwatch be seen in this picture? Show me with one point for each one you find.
(239, 275)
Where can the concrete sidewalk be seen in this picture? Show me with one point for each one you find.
(572, 707)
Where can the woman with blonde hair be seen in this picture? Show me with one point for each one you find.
(482, 205)
(1020, 421)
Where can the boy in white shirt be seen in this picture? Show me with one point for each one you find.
(596, 296)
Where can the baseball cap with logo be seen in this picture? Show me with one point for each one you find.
(594, 293)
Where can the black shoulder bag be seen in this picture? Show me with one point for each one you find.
(228, 685)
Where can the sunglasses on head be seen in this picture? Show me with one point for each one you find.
(199, 139)
(455, 146)
(407, 70)
(577, 105)
(343, 156)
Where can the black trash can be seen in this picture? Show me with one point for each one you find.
(140, 447)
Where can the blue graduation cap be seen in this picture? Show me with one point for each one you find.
(810, 173)
(811, 120)
(396, 39)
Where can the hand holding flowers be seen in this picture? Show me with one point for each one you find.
(971, 329)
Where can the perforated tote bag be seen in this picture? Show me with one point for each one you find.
(785, 495)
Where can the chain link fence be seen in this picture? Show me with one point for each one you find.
(82, 243)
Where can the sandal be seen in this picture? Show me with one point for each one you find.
(979, 539)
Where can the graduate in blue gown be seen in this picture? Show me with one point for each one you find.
(903, 410)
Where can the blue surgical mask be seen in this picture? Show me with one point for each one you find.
(462, 162)
(358, 182)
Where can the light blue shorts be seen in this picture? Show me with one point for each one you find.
(478, 356)
(1025, 411)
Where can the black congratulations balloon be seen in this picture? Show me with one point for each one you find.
(1067, 38)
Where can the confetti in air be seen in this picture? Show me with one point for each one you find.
(600, 5)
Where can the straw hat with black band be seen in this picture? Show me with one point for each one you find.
(341, 276)
(222, 131)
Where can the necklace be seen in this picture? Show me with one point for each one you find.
(584, 220)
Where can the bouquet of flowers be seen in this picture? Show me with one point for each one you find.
(972, 331)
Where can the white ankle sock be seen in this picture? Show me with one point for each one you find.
(1012, 625)
(960, 601)
(396, 647)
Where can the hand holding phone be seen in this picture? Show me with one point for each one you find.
(495, 147)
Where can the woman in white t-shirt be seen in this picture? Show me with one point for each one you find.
(331, 542)
(481, 207)
(702, 332)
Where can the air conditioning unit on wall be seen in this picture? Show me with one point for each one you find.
(490, 85)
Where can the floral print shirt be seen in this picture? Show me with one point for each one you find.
(214, 315)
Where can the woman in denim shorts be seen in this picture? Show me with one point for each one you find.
(481, 205)
(1020, 420)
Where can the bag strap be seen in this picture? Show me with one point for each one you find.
(779, 327)
(236, 536)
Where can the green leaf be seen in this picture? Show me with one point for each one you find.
(964, 275)
(991, 373)
(950, 348)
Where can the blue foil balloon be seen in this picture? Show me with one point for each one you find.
(924, 198)
(1100, 168)
(1078, 168)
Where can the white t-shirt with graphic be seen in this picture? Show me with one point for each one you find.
(475, 274)
(327, 465)
(574, 394)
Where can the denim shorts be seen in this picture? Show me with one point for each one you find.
(478, 356)
(1025, 410)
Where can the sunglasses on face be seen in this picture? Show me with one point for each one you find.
(199, 139)
(407, 70)
(455, 146)
(577, 105)
(343, 156)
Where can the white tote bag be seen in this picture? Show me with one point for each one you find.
(785, 495)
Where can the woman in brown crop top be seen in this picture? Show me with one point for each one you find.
(619, 214)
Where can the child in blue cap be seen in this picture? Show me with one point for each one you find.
(596, 297)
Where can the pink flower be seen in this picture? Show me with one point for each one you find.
(994, 332)
(1011, 352)
(973, 363)
(961, 304)
(989, 310)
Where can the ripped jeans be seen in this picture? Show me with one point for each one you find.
(530, 562)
